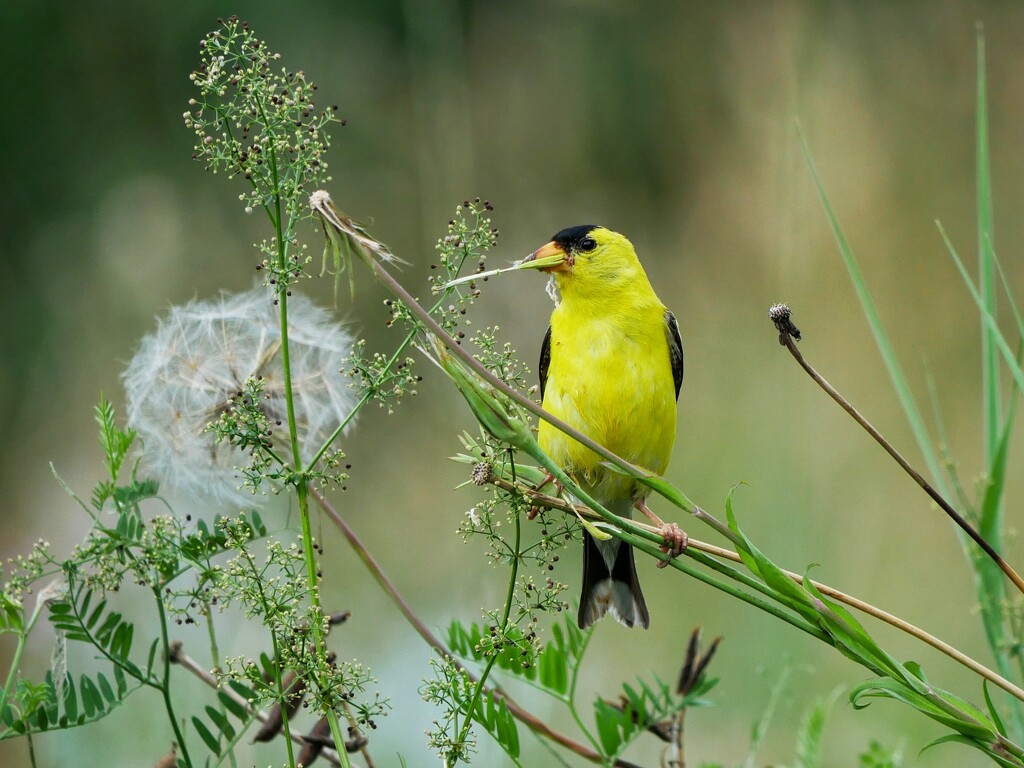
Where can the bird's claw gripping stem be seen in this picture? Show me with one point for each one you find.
(675, 538)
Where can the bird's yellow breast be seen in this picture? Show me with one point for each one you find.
(610, 377)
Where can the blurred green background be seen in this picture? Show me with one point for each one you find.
(670, 122)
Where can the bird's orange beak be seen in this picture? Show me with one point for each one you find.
(550, 257)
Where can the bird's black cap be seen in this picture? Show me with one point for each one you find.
(571, 237)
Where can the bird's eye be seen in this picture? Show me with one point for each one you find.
(588, 244)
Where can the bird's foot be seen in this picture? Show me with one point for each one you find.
(548, 477)
(675, 539)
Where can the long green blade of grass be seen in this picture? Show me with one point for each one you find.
(989, 583)
(899, 381)
(999, 341)
(986, 269)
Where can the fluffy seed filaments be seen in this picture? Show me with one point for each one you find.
(200, 356)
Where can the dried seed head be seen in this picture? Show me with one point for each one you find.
(482, 473)
(781, 315)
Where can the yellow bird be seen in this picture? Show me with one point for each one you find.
(611, 366)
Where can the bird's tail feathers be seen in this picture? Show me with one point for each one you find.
(616, 592)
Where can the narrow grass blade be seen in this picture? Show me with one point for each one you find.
(899, 381)
(990, 584)
(986, 268)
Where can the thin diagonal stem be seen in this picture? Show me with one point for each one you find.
(790, 343)
(552, 502)
(478, 693)
(531, 721)
(186, 662)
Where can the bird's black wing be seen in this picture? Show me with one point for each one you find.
(675, 350)
(545, 361)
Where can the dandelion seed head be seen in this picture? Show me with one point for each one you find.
(200, 356)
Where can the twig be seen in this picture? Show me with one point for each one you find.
(788, 336)
(524, 716)
(179, 657)
(322, 204)
(543, 500)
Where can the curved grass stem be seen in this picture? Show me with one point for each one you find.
(694, 547)
(789, 343)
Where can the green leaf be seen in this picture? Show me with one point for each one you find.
(42, 718)
(107, 628)
(748, 560)
(233, 706)
(894, 689)
(242, 690)
(258, 526)
(811, 734)
(221, 722)
(91, 700)
(999, 758)
(121, 642)
(207, 737)
(70, 702)
(105, 689)
(151, 659)
(7, 714)
(850, 636)
(992, 711)
(607, 721)
(95, 616)
(492, 713)
(12, 615)
(136, 492)
(554, 669)
(120, 682)
(83, 608)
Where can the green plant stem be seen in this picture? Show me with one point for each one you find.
(535, 724)
(641, 536)
(283, 692)
(656, 483)
(13, 671)
(278, 681)
(301, 483)
(986, 271)
(134, 672)
(464, 733)
(368, 394)
(192, 666)
(424, 317)
(16, 659)
(699, 551)
(571, 695)
(302, 491)
(216, 660)
(165, 687)
(790, 344)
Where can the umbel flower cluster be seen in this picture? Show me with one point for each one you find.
(202, 355)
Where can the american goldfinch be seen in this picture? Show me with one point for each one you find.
(611, 366)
